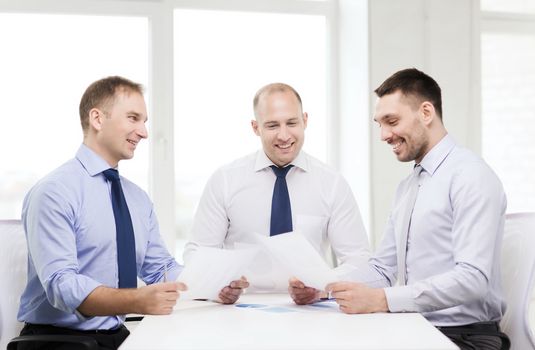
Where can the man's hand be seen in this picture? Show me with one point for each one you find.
(357, 298)
(232, 292)
(302, 294)
(154, 299)
(159, 298)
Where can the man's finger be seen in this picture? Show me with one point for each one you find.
(338, 286)
(239, 284)
(295, 283)
(182, 286)
(226, 299)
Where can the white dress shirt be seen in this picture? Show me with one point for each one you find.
(454, 242)
(237, 202)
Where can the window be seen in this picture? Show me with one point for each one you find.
(214, 55)
(508, 107)
(221, 59)
(47, 62)
(512, 6)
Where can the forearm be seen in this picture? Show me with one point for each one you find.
(367, 274)
(105, 301)
(461, 285)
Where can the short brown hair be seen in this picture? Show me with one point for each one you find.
(271, 88)
(412, 82)
(102, 93)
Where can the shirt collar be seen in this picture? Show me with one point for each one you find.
(262, 161)
(92, 162)
(437, 154)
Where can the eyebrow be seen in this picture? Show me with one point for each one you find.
(384, 118)
(293, 119)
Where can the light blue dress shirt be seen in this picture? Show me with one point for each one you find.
(454, 242)
(70, 228)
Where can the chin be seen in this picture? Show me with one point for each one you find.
(286, 160)
(403, 159)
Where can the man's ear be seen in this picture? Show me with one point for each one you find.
(428, 112)
(305, 119)
(96, 117)
(254, 125)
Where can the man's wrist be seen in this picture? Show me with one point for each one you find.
(381, 303)
(135, 295)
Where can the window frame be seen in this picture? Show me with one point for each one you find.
(342, 105)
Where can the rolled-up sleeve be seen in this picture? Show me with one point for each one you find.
(49, 225)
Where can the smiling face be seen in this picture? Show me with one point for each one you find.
(118, 127)
(280, 123)
(403, 126)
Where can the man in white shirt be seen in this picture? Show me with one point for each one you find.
(443, 237)
(237, 200)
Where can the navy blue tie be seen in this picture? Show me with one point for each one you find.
(126, 243)
(281, 210)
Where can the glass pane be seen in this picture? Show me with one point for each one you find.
(221, 60)
(46, 64)
(508, 87)
(518, 6)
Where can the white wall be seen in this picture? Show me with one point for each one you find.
(437, 37)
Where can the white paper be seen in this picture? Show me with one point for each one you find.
(299, 259)
(211, 269)
(265, 273)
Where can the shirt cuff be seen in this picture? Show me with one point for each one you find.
(399, 299)
(73, 292)
(174, 273)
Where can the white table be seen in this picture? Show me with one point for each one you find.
(272, 321)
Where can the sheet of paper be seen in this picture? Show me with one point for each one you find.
(299, 259)
(264, 273)
(211, 269)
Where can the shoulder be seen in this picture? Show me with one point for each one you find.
(63, 180)
(236, 167)
(245, 161)
(463, 163)
(61, 189)
(318, 168)
(324, 177)
(470, 174)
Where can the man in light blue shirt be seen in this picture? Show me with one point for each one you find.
(70, 224)
(443, 237)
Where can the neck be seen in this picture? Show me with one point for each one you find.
(99, 150)
(435, 136)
